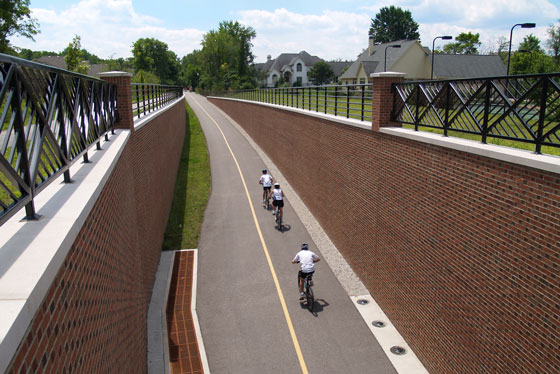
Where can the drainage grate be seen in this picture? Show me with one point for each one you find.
(378, 323)
(398, 350)
(362, 301)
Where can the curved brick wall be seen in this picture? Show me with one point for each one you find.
(461, 251)
(93, 319)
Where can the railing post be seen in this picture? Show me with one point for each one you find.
(335, 101)
(363, 102)
(347, 102)
(124, 97)
(542, 115)
(382, 98)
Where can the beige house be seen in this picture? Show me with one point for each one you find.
(416, 61)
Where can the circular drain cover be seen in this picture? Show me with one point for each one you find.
(398, 350)
(378, 323)
(362, 301)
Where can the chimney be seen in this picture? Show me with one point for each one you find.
(268, 58)
(370, 45)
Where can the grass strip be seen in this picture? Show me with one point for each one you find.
(191, 189)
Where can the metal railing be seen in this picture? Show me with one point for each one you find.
(49, 118)
(522, 108)
(350, 101)
(147, 97)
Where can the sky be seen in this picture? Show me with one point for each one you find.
(329, 29)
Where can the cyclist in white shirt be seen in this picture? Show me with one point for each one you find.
(277, 198)
(266, 181)
(307, 260)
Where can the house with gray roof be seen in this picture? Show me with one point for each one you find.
(414, 60)
(291, 67)
(60, 62)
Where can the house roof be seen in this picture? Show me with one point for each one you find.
(285, 60)
(338, 66)
(60, 62)
(375, 62)
(56, 61)
(467, 66)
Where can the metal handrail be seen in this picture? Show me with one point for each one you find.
(148, 97)
(49, 118)
(519, 108)
(350, 101)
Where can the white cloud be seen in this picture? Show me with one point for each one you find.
(107, 28)
(329, 35)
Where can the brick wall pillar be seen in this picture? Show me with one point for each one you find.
(124, 97)
(382, 98)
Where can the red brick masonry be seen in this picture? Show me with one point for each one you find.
(461, 251)
(183, 346)
(93, 319)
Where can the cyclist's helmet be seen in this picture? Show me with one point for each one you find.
(264, 171)
(304, 246)
(276, 185)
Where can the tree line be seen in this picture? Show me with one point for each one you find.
(226, 61)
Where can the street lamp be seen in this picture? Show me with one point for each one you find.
(389, 46)
(445, 37)
(523, 26)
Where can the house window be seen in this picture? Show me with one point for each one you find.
(298, 66)
(362, 81)
(299, 80)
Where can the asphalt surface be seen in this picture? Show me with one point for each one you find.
(248, 306)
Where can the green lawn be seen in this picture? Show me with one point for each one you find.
(191, 189)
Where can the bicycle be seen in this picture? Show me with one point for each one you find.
(267, 203)
(308, 290)
(278, 218)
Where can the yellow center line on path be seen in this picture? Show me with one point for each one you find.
(265, 249)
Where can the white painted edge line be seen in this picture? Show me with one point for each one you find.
(158, 341)
(387, 336)
(201, 349)
(142, 121)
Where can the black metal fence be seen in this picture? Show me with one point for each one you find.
(350, 101)
(522, 108)
(147, 98)
(49, 119)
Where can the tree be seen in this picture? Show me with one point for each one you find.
(152, 55)
(466, 44)
(321, 73)
(531, 43)
(392, 23)
(553, 43)
(225, 57)
(15, 19)
(535, 62)
(73, 57)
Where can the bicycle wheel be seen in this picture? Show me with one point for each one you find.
(310, 297)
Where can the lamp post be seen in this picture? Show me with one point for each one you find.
(444, 37)
(389, 46)
(523, 26)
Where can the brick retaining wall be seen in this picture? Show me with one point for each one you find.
(461, 251)
(93, 319)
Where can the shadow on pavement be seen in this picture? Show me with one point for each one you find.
(318, 307)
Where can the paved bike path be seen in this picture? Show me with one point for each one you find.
(244, 324)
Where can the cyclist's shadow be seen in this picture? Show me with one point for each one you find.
(318, 306)
(284, 228)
